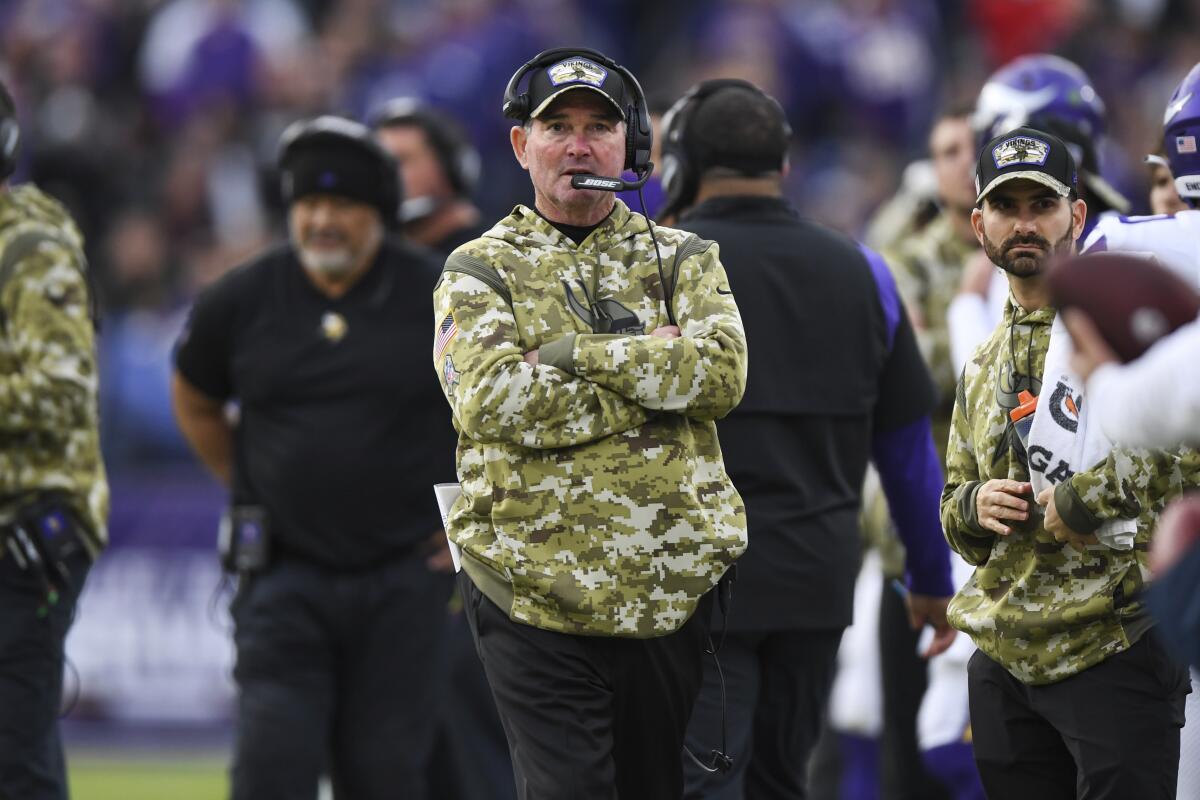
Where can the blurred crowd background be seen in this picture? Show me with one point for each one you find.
(156, 122)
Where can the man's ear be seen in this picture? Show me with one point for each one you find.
(977, 223)
(519, 138)
(1078, 218)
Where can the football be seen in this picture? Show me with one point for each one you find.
(1132, 300)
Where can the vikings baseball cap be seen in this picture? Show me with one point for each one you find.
(575, 72)
(1025, 153)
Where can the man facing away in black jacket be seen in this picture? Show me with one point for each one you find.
(836, 379)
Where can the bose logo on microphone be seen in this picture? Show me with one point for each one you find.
(598, 183)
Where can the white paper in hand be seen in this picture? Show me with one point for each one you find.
(446, 494)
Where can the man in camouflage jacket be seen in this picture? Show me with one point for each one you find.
(53, 493)
(596, 515)
(1071, 693)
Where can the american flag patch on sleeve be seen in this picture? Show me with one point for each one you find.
(446, 333)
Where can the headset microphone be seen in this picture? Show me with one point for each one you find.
(414, 208)
(585, 180)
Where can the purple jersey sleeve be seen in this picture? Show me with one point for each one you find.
(889, 297)
(912, 480)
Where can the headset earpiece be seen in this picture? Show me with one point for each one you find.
(10, 134)
(516, 107)
(10, 141)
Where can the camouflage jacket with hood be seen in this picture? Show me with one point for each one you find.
(595, 500)
(49, 437)
(1044, 610)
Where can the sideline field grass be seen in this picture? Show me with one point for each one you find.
(99, 778)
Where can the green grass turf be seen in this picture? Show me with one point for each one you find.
(98, 778)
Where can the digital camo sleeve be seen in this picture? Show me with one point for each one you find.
(495, 396)
(45, 305)
(1124, 485)
(701, 374)
(959, 521)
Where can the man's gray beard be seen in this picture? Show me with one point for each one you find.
(330, 263)
(336, 263)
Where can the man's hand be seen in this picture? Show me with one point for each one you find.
(977, 276)
(1091, 351)
(1178, 530)
(1055, 526)
(1000, 499)
(437, 553)
(924, 609)
(531, 358)
(667, 332)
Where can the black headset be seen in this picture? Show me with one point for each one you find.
(334, 130)
(458, 157)
(10, 134)
(639, 137)
(681, 170)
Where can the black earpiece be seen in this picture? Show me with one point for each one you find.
(10, 134)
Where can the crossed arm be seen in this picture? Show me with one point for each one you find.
(580, 388)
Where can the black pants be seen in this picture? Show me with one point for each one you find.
(337, 673)
(904, 677)
(32, 632)
(470, 755)
(1108, 733)
(776, 688)
(590, 717)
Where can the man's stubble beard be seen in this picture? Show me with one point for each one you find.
(1025, 266)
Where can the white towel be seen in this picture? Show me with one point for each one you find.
(447, 495)
(1061, 442)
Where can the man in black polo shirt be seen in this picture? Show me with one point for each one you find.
(836, 379)
(323, 346)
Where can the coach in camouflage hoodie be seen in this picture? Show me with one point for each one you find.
(1071, 693)
(53, 492)
(596, 515)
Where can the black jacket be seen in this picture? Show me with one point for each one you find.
(832, 360)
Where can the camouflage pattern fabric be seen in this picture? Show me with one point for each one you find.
(928, 268)
(1045, 610)
(49, 431)
(595, 500)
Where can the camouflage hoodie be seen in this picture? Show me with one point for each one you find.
(48, 417)
(595, 499)
(1045, 610)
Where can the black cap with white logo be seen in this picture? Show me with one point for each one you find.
(1029, 154)
(575, 72)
